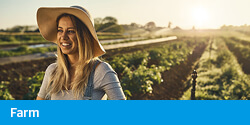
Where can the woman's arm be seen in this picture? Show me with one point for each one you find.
(106, 79)
(112, 87)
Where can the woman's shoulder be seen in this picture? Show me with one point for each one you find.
(102, 71)
(51, 67)
(104, 67)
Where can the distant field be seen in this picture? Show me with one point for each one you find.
(20, 38)
(16, 39)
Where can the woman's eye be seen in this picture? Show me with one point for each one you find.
(59, 30)
(71, 31)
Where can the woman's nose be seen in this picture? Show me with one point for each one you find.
(65, 35)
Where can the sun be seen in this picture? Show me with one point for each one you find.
(200, 17)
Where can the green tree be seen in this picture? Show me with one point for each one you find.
(16, 29)
(98, 23)
(110, 20)
(150, 26)
(108, 24)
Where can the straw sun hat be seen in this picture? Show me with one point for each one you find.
(46, 20)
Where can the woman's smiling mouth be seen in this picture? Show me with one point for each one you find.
(66, 45)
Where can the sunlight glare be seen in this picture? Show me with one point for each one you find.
(200, 17)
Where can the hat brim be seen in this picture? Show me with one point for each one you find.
(46, 21)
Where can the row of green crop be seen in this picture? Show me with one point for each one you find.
(237, 46)
(243, 42)
(138, 71)
(9, 39)
(24, 50)
(241, 49)
(220, 76)
(240, 46)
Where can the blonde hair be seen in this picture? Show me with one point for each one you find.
(60, 77)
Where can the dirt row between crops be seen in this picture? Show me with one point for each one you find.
(173, 85)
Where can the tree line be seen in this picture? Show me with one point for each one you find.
(107, 24)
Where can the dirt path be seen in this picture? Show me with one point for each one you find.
(122, 45)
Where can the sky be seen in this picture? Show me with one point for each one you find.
(203, 14)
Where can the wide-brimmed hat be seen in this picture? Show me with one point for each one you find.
(46, 20)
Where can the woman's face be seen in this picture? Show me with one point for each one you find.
(66, 36)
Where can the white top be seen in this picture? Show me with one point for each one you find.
(106, 84)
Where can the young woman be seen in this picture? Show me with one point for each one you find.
(78, 73)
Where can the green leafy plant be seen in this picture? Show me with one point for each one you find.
(4, 92)
(34, 84)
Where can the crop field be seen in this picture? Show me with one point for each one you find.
(160, 71)
(220, 75)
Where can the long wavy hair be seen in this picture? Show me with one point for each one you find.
(60, 77)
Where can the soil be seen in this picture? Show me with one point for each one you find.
(17, 74)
